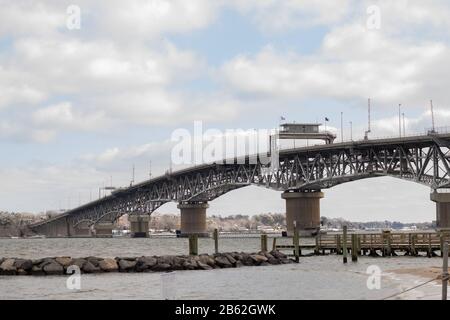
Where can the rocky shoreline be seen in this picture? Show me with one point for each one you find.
(59, 265)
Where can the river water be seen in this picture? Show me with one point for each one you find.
(315, 277)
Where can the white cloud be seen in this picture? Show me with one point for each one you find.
(18, 18)
(353, 64)
(276, 16)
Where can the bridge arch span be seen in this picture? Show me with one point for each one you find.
(421, 159)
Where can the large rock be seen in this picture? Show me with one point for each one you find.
(277, 254)
(89, 267)
(80, 262)
(145, 263)
(94, 260)
(230, 258)
(108, 265)
(23, 264)
(162, 267)
(247, 260)
(37, 270)
(274, 261)
(53, 268)
(258, 259)
(7, 267)
(190, 263)
(203, 266)
(127, 265)
(178, 263)
(64, 261)
(223, 262)
(237, 256)
(206, 259)
(21, 272)
(267, 255)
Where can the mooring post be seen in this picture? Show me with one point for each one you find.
(413, 245)
(317, 249)
(445, 271)
(338, 244)
(296, 243)
(216, 241)
(274, 244)
(264, 242)
(344, 244)
(354, 247)
(193, 245)
(388, 242)
(430, 249)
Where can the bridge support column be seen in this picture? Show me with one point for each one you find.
(82, 231)
(193, 218)
(304, 208)
(104, 229)
(139, 225)
(442, 209)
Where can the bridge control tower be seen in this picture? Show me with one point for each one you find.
(305, 131)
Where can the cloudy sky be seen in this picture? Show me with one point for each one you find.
(81, 105)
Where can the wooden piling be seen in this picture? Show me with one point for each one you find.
(264, 242)
(296, 243)
(354, 247)
(317, 248)
(388, 237)
(216, 240)
(429, 251)
(193, 244)
(445, 271)
(344, 244)
(413, 245)
(338, 244)
(274, 244)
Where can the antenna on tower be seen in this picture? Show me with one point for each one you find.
(366, 134)
(132, 178)
(432, 116)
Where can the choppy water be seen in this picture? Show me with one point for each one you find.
(317, 277)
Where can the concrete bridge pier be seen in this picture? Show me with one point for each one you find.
(103, 229)
(193, 218)
(442, 209)
(139, 225)
(304, 208)
(59, 228)
(82, 230)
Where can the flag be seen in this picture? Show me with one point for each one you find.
(282, 118)
(326, 119)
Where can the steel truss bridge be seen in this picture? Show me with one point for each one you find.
(423, 159)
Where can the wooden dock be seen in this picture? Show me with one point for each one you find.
(386, 243)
